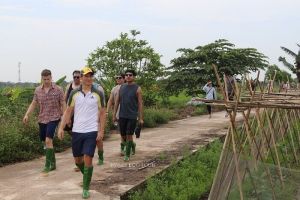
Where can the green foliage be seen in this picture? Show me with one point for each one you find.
(281, 75)
(295, 68)
(128, 52)
(193, 67)
(200, 110)
(153, 117)
(61, 81)
(187, 180)
(17, 141)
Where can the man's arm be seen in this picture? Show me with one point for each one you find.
(62, 101)
(110, 102)
(140, 105)
(102, 123)
(116, 105)
(29, 111)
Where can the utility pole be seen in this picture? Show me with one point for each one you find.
(19, 72)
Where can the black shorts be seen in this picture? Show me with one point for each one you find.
(48, 130)
(127, 126)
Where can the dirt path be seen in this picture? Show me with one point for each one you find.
(23, 181)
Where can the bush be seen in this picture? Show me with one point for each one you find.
(153, 117)
(19, 142)
(187, 180)
(200, 110)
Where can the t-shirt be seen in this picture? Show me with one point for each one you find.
(86, 109)
(128, 101)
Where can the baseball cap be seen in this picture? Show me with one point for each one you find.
(87, 70)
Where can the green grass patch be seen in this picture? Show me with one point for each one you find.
(154, 117)
(186, 180)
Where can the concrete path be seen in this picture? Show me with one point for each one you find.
(23, 181)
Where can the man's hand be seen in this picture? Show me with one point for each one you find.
(100, 136)
(60, 134)
(69, 124)
(141, 122)
(115, 119)
(25, 119)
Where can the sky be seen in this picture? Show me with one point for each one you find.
(60, 34)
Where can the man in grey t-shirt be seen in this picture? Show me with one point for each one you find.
(131, 108)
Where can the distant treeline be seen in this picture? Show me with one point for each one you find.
(12, 84)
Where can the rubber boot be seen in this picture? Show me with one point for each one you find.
(123, 147)
(48, 161)
(80, 167)
(52, 160)
(133, 148)
(128, 150)
(87, 177)
(100, 158)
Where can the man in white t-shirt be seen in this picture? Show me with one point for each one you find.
(88, 105)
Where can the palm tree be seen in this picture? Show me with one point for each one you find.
(294, 68)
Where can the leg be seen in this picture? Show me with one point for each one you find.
(209, 110)
(79, 163)
(122, 127)
(51, 127)
(100, 152)
(130, 145)
(89, 146)
(43, 130)
(77, 145)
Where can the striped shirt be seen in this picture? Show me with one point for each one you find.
(86, 109)
(50, 103)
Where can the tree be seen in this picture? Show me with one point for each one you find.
(193, 67)
(127, 52)
(281, 75)
(294, 68)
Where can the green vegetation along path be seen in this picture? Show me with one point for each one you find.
(23, 181)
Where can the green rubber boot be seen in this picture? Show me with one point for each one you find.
(100, 158)
(128, 150)
(80, 166)
(52, 160)
(133, 148)
(48, 161)
(123, 147)
(87, 177)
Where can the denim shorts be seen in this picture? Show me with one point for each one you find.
(84, 143)
(48, 130)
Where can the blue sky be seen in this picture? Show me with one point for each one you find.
(60, 34)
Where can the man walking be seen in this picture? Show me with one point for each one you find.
(87, 103)
(211, 94)
(70, 87)
(112, 102)
(50, 100)
(131, 107)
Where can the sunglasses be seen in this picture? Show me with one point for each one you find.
(129, 75)
(119, 77)
(76, 77)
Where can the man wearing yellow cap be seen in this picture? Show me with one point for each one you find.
(88, 105)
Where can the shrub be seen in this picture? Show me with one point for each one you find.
(186, 180)
(153, 117)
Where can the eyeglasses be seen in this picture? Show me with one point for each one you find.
(119, 77)
(76, 77)
(129, 75)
